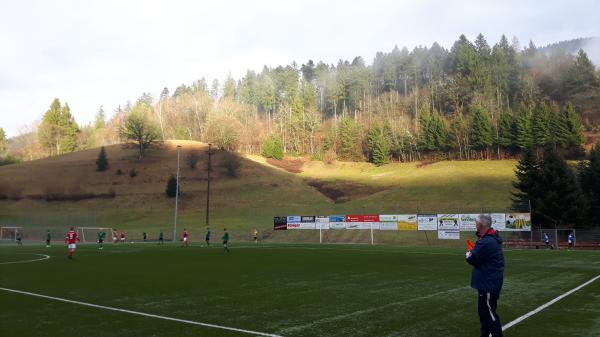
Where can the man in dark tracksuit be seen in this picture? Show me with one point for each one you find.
(488, 274)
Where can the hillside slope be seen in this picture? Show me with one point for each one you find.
(251, 200)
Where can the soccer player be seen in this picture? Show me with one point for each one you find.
(19, 238)
(255, 233)
(144, 236)
(71, 238)
(101, 236)
(207, 237)
(184, 242)
(225, 239)
(547, 241)
(571, 240)
(115, 235)
(122, 237)
(161, 240)
(48, 238)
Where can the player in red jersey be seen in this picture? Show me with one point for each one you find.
(122, 237)
(185, 243)
(71, 238)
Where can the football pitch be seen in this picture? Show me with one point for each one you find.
(285, 290)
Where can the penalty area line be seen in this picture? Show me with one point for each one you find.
(208, 325)
(547, 304)
(43, 257)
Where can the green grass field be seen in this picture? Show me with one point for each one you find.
(287, 290)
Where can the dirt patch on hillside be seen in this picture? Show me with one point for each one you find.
(290, 165)
(342, 191)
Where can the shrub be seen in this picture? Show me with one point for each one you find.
(102, 161)
(132, 173)
(119, 172)
(272, 148)
(231, 163)
(171, 190)
(192, 159)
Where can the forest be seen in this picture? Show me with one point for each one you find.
(472, 101)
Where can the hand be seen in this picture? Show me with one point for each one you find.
(467, 255)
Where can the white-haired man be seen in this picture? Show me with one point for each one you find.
(488, 274)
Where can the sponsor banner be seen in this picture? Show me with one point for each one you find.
(301, 225)
(388, 225)
(362, 218)
(337, 218)
(279, 223)
(427, 222)
(337, 221)
(353, 225)
(498, 221)
(407, 222)
(307, 218)
(467, 222)
(322, 225)
(448, 227)
(388, 218)
(337, 225)
(322, 222)
(518, 222)
(448, 234)
(294, 218)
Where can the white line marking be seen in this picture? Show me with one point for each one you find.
(368, 310)
(547, 304)
(44, 257)
(142, 313)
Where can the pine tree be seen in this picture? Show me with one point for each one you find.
(102, 161)
(581, 77)
(506, 131)
(171, 190)
(480, 136)
(590, 183)
(349, 140)
(574, 130)
(3, 142)
(558, 198)
(541, 127)
(527, 177)
(378, 146)
(558, 128)
(524, 129)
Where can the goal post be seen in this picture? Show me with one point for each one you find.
(90, 234)
(9, 233)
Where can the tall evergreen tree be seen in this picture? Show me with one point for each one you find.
(581, 77)
(524, 129)
(590, 184)
(378, 146)
(480, 137)
(527, 172)
(506, 135)
(558, 199)
(541, 127)
(574, 130)
(349, 140)
(102, 161)
(3, 142)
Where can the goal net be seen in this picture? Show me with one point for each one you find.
(9, 233)
(90, 234)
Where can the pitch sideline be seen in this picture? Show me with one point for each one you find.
(208, 325)
(547, 304)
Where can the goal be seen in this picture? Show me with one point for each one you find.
(90, 234)
(9, 233)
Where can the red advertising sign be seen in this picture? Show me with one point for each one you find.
(363, 218)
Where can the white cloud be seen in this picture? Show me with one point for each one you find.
(92, 53)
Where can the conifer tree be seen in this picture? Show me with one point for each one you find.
(102, 161)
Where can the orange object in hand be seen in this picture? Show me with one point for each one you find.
(470, 245)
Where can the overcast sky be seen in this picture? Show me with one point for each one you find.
(92, 53)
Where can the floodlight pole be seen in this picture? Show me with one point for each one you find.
(176, 197)
(208, 187)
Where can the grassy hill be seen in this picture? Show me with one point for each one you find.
(262, 189)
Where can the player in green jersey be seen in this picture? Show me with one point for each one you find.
(101, 236)
(225, 239)
(48, 238)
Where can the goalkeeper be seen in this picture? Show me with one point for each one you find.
(101, 236)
